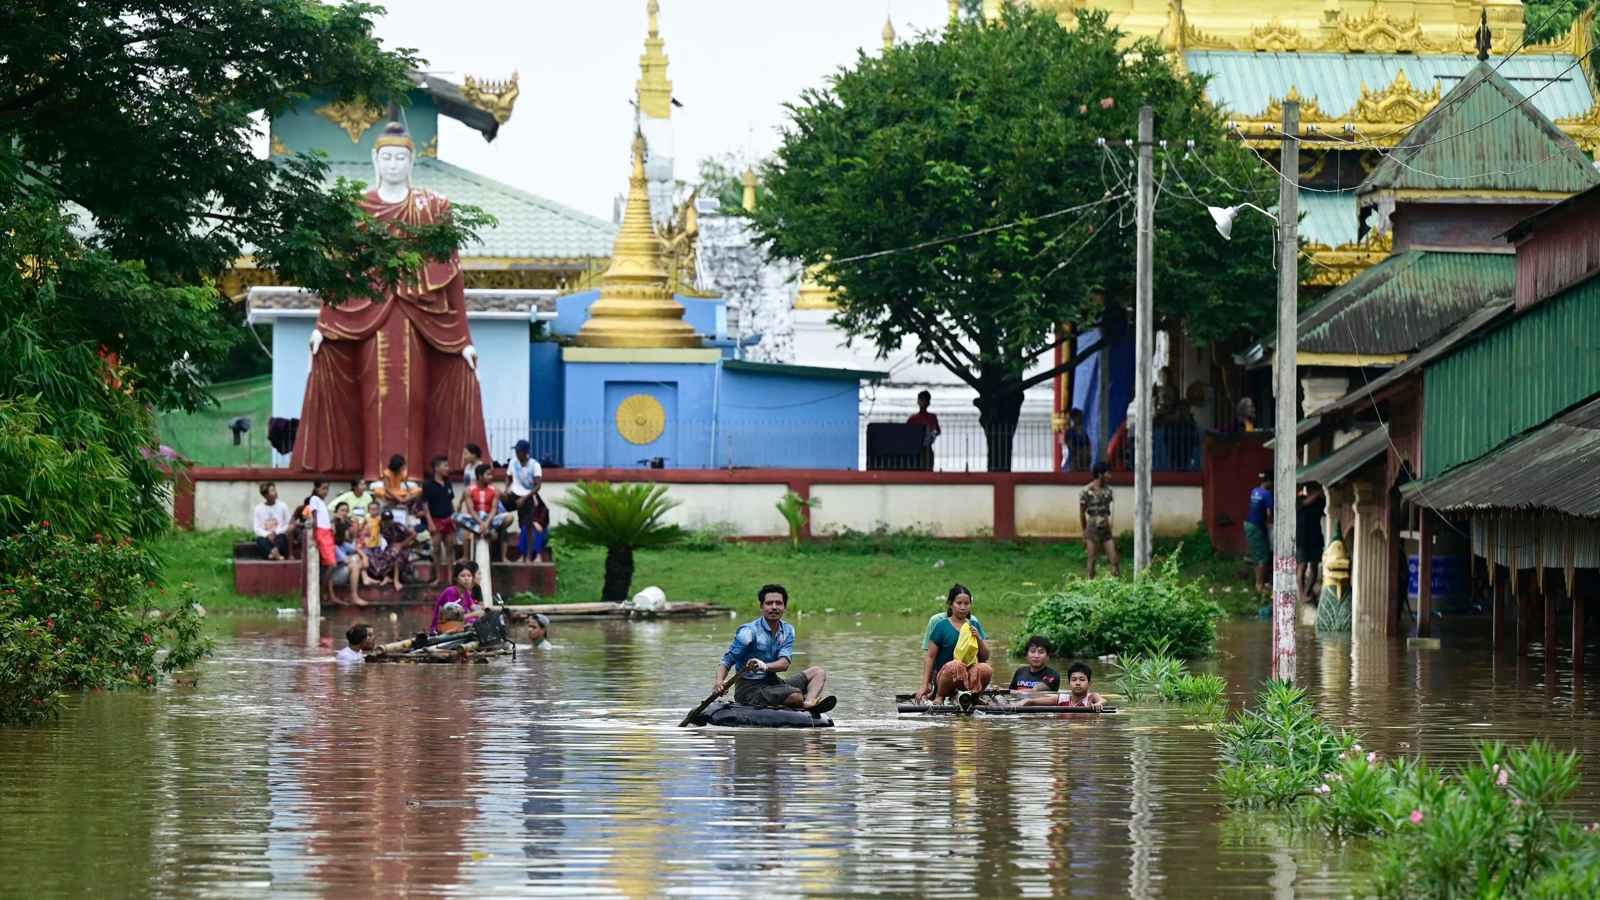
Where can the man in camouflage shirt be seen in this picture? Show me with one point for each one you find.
(1094, 511)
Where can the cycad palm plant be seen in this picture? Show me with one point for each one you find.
(621, 518)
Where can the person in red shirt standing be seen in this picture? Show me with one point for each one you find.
(930, 427)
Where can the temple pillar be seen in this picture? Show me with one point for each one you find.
(1370, 579)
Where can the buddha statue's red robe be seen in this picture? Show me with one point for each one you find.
(390, 377)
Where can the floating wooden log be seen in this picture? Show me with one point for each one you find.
(614, 610)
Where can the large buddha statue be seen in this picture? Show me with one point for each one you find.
(396, 374)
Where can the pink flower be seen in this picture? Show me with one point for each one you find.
(1505, 775)
(1372, 757)
(1107, 102)
(1416, 817)
(1323, 789)
(1083, 108)
(1516, 801)
(1356, 747)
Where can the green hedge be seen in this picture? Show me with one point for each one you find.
(1110, 615)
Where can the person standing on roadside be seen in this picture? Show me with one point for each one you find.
(1094, 514)
(1258, 528)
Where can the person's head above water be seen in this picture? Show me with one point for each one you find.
(1078, 678)
(358, 635)
(538, 628)
(1038, 652)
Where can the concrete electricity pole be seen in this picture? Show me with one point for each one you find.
(1285, 588)
(1144, 342)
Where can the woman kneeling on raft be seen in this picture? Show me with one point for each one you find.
(953, 664)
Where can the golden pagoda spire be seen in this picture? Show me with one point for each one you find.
(955, 11)
(636, 308)
(655, 91)
(749, 200)
(888, 33)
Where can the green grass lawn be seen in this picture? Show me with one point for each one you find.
(204, 438)
(847, 575)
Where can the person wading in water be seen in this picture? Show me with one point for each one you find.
(761, 650)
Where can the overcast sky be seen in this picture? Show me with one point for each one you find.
(733, 63)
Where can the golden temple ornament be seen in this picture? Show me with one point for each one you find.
(636, 308)
(641, 419)
(497, 98)
(354, 116)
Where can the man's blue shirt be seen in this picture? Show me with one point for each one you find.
(754, 640)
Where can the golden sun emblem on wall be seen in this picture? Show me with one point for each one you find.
(641, 419)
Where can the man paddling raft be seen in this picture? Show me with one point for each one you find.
(761, 650)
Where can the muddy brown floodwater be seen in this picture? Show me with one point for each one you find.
(562, 773)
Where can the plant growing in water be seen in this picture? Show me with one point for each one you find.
(1158, 675)
(1277, 751)
(1110, 615)
(796, 511)
(621, 518)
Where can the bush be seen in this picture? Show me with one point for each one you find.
(76, 615)
(1158, 675)
(1110, 615)
(1277, 752)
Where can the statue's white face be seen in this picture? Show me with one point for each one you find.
(394, 167)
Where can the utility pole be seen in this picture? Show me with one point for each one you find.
(1285, 587)
(1144, 342)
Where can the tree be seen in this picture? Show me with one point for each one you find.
(621, 518)
(989, 132)
(127, 182)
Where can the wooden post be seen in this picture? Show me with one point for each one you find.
(1523, 612)
(1425, 573)
(1498, 601)
(481, 555)
(1144, 341)
(1548, 602)
(1285, 589)
(313, 592)
(1577, 639)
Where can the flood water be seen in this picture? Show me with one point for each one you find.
(562, 773)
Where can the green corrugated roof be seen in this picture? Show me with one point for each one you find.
(531, 227)
(1484, 135)
(1329, 217)
(1244, 83)
(1403, 303)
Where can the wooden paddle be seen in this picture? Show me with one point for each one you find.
(723, 689)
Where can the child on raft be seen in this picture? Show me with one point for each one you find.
(1037, 674)
(1076, 696)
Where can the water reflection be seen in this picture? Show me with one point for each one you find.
(562, 773)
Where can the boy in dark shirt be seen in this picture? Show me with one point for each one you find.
(439, 505)
(1037, 674)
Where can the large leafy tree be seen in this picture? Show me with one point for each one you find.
(127, 182)
(988, 125)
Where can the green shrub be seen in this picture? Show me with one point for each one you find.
(1278, 751)
(709, 539)
(796, 512)
(1158, 675)
(1110, 615)
(77, 615)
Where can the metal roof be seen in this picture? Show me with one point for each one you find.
(1329, 217)
(1406, 301)
(531, 227)
(1338, 465)
(1438, 348)
(1245, 83)
(1551, 468)
(1485, 135)
(764, 368)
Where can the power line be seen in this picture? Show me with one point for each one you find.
(923, 245)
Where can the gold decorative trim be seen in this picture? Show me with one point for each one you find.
(431, 148)
(1378, 32)
(1397, 104)
(641, 419)
(1337, 265)
(1584, 129)
(278, 147)
(497, 98)
(354, 116)
(1274, 37)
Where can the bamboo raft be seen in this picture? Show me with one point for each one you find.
(455, 653)
(614, 611)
